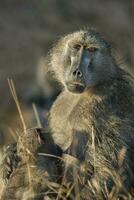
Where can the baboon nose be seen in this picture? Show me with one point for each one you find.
(77, 73)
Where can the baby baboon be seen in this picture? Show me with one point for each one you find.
(92, 118)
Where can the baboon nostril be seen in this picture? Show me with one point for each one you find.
(77, 73)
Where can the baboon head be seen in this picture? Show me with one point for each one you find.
(82, 60)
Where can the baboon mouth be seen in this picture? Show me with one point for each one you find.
(75, 87)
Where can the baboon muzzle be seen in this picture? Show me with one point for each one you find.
(77, 73)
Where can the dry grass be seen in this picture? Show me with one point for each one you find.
(74, 184)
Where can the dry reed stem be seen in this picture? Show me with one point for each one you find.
(13, 133)
(2, 189)
(29, 175)
(93, 145)
(15, 97)
(37, 116)
(50, 155)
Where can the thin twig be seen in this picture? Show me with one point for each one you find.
(37, 116)
(93, 145)
(15, 97)
(13, 133)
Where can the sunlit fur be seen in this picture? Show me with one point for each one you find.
(103, 111)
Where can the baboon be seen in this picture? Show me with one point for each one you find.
(92, 118)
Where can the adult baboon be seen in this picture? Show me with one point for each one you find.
(92, 118)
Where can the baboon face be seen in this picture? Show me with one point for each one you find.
(86, 61)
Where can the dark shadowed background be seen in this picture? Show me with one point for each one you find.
(29, 27)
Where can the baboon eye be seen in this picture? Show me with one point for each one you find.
(77, 46)
(92, 49)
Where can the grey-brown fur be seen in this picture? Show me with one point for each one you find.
(104, 110)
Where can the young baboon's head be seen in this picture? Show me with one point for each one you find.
(82, 60)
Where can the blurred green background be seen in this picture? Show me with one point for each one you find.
(28, 28)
